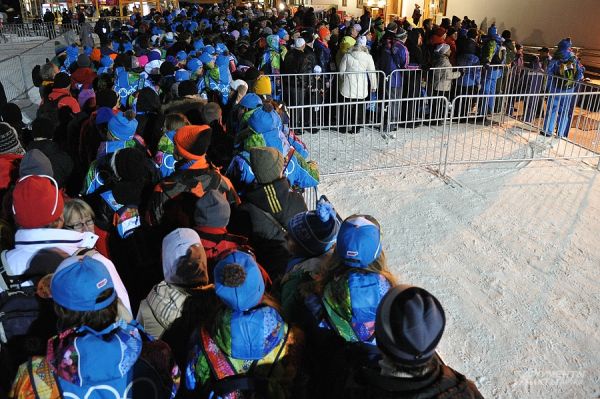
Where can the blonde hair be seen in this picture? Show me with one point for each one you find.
(175, 121)
(77, 207)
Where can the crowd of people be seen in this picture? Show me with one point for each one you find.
(156, 242)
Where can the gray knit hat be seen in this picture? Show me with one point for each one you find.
(35, 162)
(212, 210)
(9, 140)
(267, 164)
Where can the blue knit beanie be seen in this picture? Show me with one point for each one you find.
(206, 58)
(154, 55)
(251, 101)
(238, 281)
(210, 50)
(193, 65)
(221, 48)
(181, 75)
(315, 231)
(181, 56)
(122, 127)
(198, 45)
(282, 33)
(106, 61)
(263, 121)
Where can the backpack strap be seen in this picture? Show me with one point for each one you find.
(85, 252)
(9, 282)
(42, 379)
(4, 279)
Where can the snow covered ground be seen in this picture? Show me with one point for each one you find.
(511, 252)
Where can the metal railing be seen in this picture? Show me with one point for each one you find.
(35, 31)
(367, 121)
(527, 116)
(15, 72)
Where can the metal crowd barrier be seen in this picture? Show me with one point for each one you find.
(366, 121)
(15, 72)
(35, 31)
(526, 116)
(327, 88)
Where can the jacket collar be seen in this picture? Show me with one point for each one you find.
(44, 238)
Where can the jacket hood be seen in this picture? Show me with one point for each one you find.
(74, 354)
(183, 105)
(250, 335)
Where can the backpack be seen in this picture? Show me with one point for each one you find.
(50, 109)
(127, 217)
(568, 71)
(19, 307)
(225, 380)
(217, 244)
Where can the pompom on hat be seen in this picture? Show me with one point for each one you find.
(315, 231)
(238, 281)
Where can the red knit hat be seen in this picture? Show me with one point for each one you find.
(439, 31)
(37, 201)
(192, 141)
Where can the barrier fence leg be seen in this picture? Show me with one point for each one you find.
(445, 139)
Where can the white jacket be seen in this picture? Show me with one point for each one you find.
(29, 241)
(442, 78)
(355, 85)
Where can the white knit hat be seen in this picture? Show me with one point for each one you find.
(442, 48)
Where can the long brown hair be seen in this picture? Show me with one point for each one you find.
(336, 268)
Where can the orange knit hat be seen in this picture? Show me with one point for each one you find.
(192, 141)
(324, 31)
(96, 55)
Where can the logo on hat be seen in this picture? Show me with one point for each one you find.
(101, 283)
(352, 253)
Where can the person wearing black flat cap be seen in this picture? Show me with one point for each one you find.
(409, 326)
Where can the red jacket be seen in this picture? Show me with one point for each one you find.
(66, 100)
(83, 76)
(452, 43)
(9, 169)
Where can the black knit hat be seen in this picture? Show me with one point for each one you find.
(9, 141)
(106, 98)
(62, 80)
(129, 164)
(167, 69)
(147, 101)
(187, 88)
(409, 325)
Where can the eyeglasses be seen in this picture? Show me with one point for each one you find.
(79, 226)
